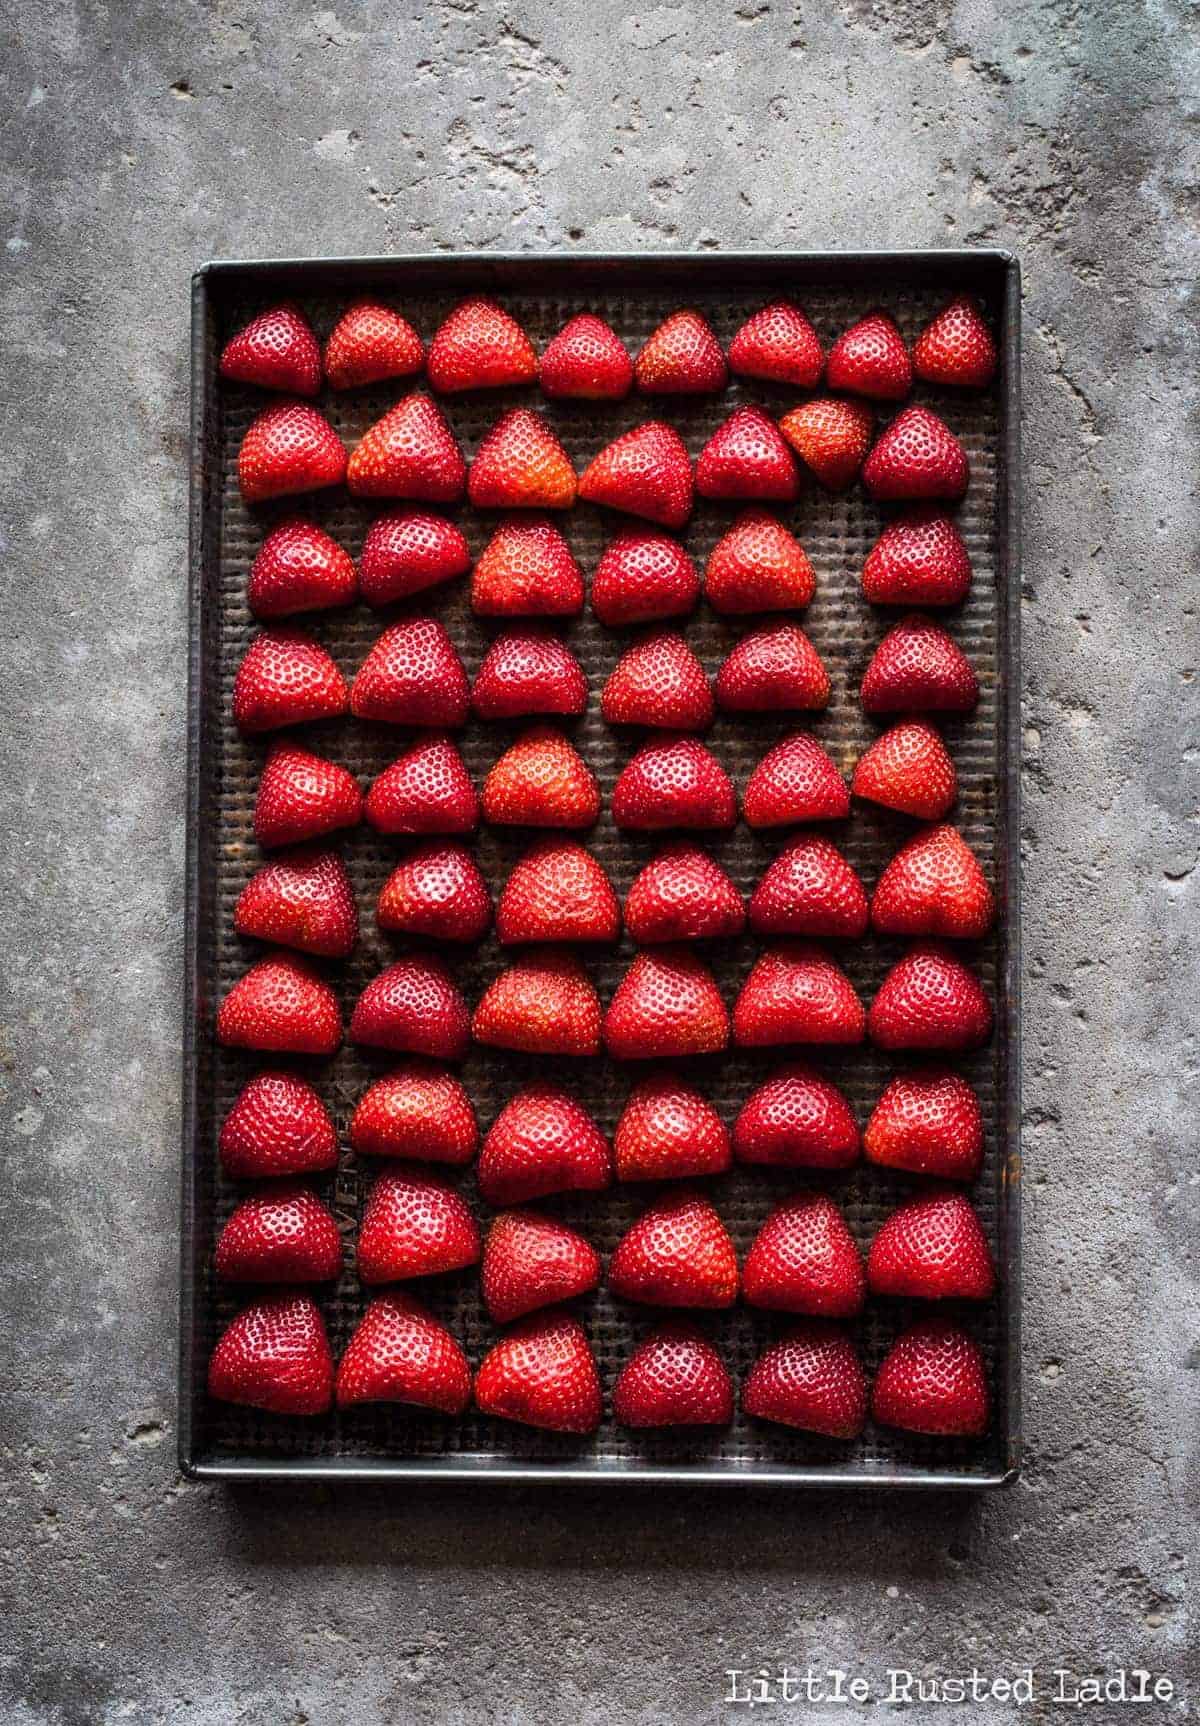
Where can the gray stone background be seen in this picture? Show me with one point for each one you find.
(140, 139)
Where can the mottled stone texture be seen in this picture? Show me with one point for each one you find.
(141, 139)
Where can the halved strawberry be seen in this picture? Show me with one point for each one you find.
(542, 1142)
(643, 577)
(918, 456)
(527, 570)
(929, 1000)
(282, 1004)
(437, 890)
(870, 359)
(658, 682)
(413, 1008)
(956, 347)
(669, 1132)
(831, 437)
(410, 452)
(542, 1374)
(746, 458)
(414, 1225)
(586, 360)
(424, 791)
(677, 1253)
(646, 472)
(407, 551)
(371, 342)
(286, 678)
(933, 1381)
(277, 1126)
(416, 1113)
(772, 670)
(531, 1261)
(811, 1379)
(277, 351)
(795, 781)
(303, 900)
(299, 568)
(666, 1004)
(675, 1377)
(917, 667)
(283, 1234)
(758, 566)
(918, 559)
(796, 1119)
(480, 346)
(934, 886)
(932, 1248)
(412, 676)
(289, 448)
(544, 1004)
(908, 768)
(681, 357)
(804, 1260)
(275, 1356)
(542, 781)
(809, 889)
(683, 895)
(928, 1123)
(399, 1353)
(673, 782)
(797, 994)
(521, 465)
(529, 671)
(557, 892)
(778, 343)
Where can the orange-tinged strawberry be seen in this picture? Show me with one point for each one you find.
(399, 1353)
(275, 1356)
(927, 1123)
(795, 781)
(531, 1261)
(437, 891)
(810, 1379)
(682, 894)
(956, 347)
(544, 1004)
(407, 551)
(779, 344)
(557, 892)
(774, 669)
(918, 668)
(918, 559)
(303, 899)
(669, 1132)
(418, 1112)
(908, 768)
(809, 889)
(277, 1126)
(414, 1225)
(745, 458)
(424, 791)
(480, 346)
(299, 568)
(796, 1119)
(412, 676)
(934, 886)
(930, 1000)
(932, 1248)
(679, 1254)
(758, 566)
(586, 360)
(933, 1381)
(681, 357)
(542, 1374)
(289, 448)
(804, 1260)
(675, 1377)
(673, 782)
(918, 456)
(521, 465)
(870, 359)
(277, 351)
(658, 682)
(283, 1234)
(797, 994)
(371, 342)
(542, 1142)
(282, 1005)
(286, 678)
(529, 671)
(413, 1008)
(645, 472)
(542, 781)
(831, 436)
(527, 570)
(643, 577)
(410, 452)
(666, 1004)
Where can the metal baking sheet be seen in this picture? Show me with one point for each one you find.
(222, 1442)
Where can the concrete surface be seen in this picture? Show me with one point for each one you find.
(140, 139)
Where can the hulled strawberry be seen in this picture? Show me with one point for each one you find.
(277, 1126)
(557, 892)
(281, 1005)
(407, 551)
(480, 346)
(283, 1234)
(410, 452)
(542, 781)
(658, 682)
(797, 994)
(683, 895)
(302, 900)
(643, 577)
(277, 351)
(673, 782)
(414, 1225)
(275, 1356)
(810, 1379)
(773, 669)
(918, 456)
(399, 1353)
(779, 344)
(586, 360)
(918, 559)
(299, 568)
(527, 570)
(532, 1261)
(934, 886)
(412, 676)
(542, 1142)
(927, 1123)
(371, 342)
(414, 1007)
(758, 566)
(437, 891)
(544, 1004)
(956, 347)
(933, 1381)
(542, 1374)
(521, 465)
(675, 1377)
(809, 889)
(416, 1113)
(870, 359)
(286, 678)
(796, 1119)
(908, 768)
(795, 781)
(681, 357)
(678, 1253)
(745, 458)
(929, 1000)
(645, 472)
(666, 1004)
(831, 436)
(289, 448)
(932, 1248)
(528, 671)
(918, 668)
(424, 791)
(804, 1260)
(668, 1132)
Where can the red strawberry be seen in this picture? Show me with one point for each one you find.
(918, 668)
(928, 1000)
(666, 1004)
(527, 570)
(956, 347)
(673, 782)
(521, 465)
(669, 1132)
(277, 351)
(683, 895)
(281, 1004)
(918, 559)
(804, 1260)
(918, 456)
(299, 568)
(933, 1380)
(772, 670)
(643, 577)
(290, 447)
(870, 359)
(410, 452)
(675, 1377)
(426, 790)
(934, 886)
(371, 342)
(909, 769)
(809, 889)
(529, 672)
(587, 360)
(412, 676)
(797, 994)
(658, 682)
(544, 1004)
(646, 472)
(414, 1007)
(932, 1248)
(795, 781)
(542, 1374)
(746, 458)
(797, 1119)
(557, 892)
(283, 1234)
(677, 1253)
(275, 1355)
(400, 1354)
(778, 343)
(303, 900)
(758, 566)
(407, 551)
(438, 891)
(530, 1261)
(286, 678)
(303, 796)
(414, 1225)
(480, 347)
(277, 1126)
(831, 437)
(542, 781)
(811, 1379)
(542, 1142)
(681, 357)
(416, 1113)
(928, 1123)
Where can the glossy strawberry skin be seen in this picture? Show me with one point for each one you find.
(804, 1260)
(557, 892)
(416, 1113)
(831, 437)
(587, 361)
(437, 891)
(683, 895)
(809, 889)
(667, 1004)
(521, 465)
(304, 900)
(425, 791)
(646, 472)
(409, 453)
(916, 457)
(544, 1004)
(643, 577)
(681, 357)
(412, 676)
(772, 670)
(797, 994)
(956, 347)
(795, 781)
(281, 1005)
(932, 1248)
(289, 448)
(796, 1119)
(283, 1234)
(413, 1008)
(407, 551)
(675, 1377)
(532, 1261)
(909, 769)
(917, 667)
(927, 1123)
(918, 559)
(303, 796)
(480, 346)
(811, 1379)
(399, 1353)
(414, 1225)
(668, 1132)
(542, 1142)
(277, 1126)
(541, 781)
(870, 359)
(933, 1381)
(286, 678)
(758, 566)
(929, 1000)
(371, 342)
(673, 782)
(299, 568)
(779, 344)
(525, 672)
(659, 683)
(746, 458)
(527, 570)
(676, 1254)
(543, 1374)
(275, 1356)
(277, 351)
(934, 886)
